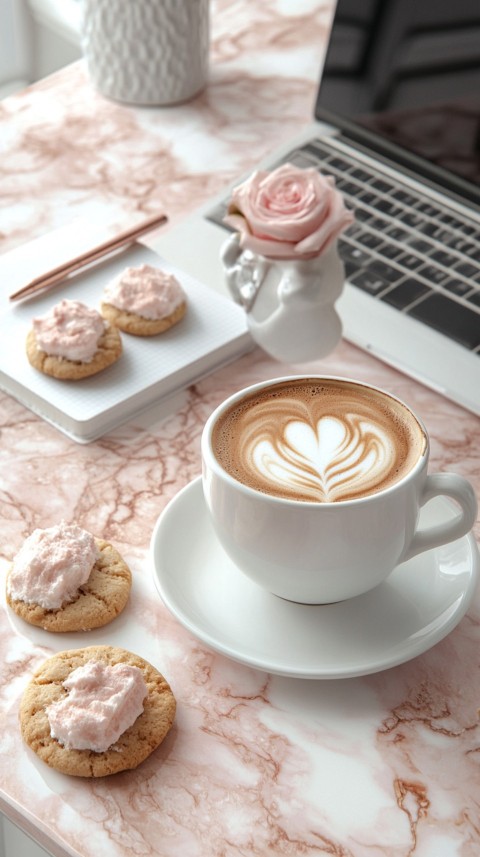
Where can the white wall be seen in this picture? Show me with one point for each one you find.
(15, 44)
(37, 37)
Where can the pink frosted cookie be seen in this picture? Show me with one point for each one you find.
(63, 579)
(72, 341)
(96, 711)
(144, 301)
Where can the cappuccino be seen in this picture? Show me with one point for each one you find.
(318, 440)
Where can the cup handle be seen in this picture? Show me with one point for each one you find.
(460, 490)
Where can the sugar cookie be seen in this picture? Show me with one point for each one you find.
(132, 747)
(72, 341)
(144, 301)
(99, 600)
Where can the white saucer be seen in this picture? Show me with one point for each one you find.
(419, 604)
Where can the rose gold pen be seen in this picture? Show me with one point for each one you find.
(61, 272)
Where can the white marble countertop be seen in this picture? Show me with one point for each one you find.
(256, 764)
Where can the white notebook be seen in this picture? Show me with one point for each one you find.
(212, 333)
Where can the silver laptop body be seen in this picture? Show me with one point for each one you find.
(412, 257)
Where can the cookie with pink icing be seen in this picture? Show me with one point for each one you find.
(63, 579)
(144, 301)
(96, 711)
(72, 341)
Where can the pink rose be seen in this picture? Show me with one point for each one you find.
(289, 213)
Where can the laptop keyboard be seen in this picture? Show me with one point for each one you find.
(403, 249)
(415, 255)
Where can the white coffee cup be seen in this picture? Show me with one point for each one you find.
(321, 552)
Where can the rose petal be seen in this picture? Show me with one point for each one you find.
(287, 213)
(338, 218)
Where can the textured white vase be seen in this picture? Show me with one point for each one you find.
(147, 51)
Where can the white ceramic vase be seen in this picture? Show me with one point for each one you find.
(290, 304)
(147, 52)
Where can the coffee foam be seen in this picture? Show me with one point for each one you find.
(322, 441)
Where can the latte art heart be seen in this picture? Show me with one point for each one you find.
(327, 463)
(318, 441)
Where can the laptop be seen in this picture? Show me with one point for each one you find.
(397, 122)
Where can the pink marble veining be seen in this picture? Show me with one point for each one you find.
(256, 764)
(213, 139)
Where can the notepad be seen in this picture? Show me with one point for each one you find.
(212, 333)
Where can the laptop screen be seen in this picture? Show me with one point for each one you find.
(404, 77)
